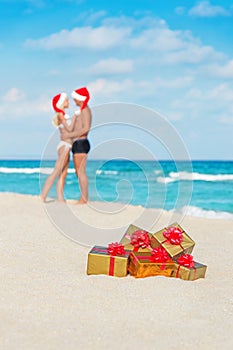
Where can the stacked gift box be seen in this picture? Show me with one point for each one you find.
(143, 254)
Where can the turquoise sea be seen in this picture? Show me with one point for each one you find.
(203, 188)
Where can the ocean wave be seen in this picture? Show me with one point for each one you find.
(106, 172)
(5, 170)
(209, 214)
(185, 176)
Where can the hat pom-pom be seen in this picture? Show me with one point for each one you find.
(77, 113)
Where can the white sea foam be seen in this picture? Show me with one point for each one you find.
(106, 172)
(185, 176)
(5, 170)
(24, 170)
(210, 214)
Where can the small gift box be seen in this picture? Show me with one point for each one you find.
(174, 240)
(136, 239)
(187, 269)
(145, 264)
(112, 261)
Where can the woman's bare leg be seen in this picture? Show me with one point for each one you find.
(80, 162)
(62, 153)
(62, 179)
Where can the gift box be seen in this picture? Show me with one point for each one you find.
(102, 260)
(190, 274)
(136, 239)
(174, 240)
(187, 269)
(143, 264)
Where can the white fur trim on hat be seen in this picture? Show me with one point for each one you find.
(78, 97)
(61, 100)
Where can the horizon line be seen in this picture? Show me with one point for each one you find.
(116, 159)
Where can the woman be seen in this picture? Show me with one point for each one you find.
(61, 120)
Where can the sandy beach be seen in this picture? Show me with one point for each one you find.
(48, 301)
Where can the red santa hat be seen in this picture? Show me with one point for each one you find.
(58, 101)
(82, 95)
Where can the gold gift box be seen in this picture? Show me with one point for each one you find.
(174, 250)
(189, 273)
(125, 241)
(140, 265)
(100, 262)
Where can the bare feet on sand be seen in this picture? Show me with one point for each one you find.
(81, 201)
(61, 200)
(42, 198)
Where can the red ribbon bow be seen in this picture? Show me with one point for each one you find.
(174, 235)
(159, 255)
(116, 249)
(140, 239)
(186, 260)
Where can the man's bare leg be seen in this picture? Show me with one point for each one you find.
(80, 162)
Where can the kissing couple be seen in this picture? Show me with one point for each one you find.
(73, 136)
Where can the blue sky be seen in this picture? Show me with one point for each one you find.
(175, 57)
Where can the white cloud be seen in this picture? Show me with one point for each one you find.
(221, 71)
(112, 66)
(176, 83)
(214, 103)
(158, 38)
(193, 53)
(16, 104)
(205, 9)
(146, 36)
(91, 16)
(221, 93)
(174, 46)
(85, 37)
(13, 95)
(194, 93)
(96, 15)
(132, 22)
(108, 88)
(152, 50)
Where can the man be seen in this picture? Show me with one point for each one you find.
(81, 145)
